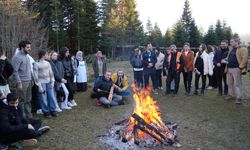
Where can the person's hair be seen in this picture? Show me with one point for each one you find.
(23, 44)
(173, 45)
(41, 53)
(209, 49)
(146, 45)
(63, 52)
(137, 49)
(12, 97)
(236, 39)
(186, 43)
(203, 46)
(52, 52)
(224, 41)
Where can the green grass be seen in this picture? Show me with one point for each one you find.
(205, 122)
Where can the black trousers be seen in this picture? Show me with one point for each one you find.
(23, 134)
(71, 87)
(81, 87)
(159, 77)
(138, 77)
(172, 75)
(221, 76)
(34, 99)
(197, 78)
(152, 74)
(187, 79)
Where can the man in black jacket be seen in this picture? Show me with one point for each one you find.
(13, 126)
(103, 90)
(220, 64)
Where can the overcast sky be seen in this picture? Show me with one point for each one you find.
(206, 12)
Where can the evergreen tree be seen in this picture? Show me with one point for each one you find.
(187, 17)
(210, 37)
(157, 36)
(219, 32)
(168, 40)
(179, 34)
(195, 37)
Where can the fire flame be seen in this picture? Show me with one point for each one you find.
(147, 109)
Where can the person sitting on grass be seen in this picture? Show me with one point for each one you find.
(14, 127)
(104, 90)
(121, 81)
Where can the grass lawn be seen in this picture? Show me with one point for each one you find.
(205, 122)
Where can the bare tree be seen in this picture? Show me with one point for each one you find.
(17, 23)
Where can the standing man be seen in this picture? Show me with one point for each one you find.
(237, 65)
(220, 64)
(188, 57)
(148, 60)
(22, 75)
(159, 67)
(99, 66)
(174, 65)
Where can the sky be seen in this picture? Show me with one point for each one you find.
(205, 12)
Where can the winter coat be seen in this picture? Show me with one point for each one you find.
(208, 68)
(136, 62)
(58, 71)
(105, 86)
(124, 81)
(96, 69)
(11, 120)
(160, 61)
(6, 70)
(242, 58)
(188, 61)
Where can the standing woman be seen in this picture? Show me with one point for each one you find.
(202, 67)
(99, 66)
(60, 82)
(210, 52)
(81, 76)
(68, 74)
(44, 79)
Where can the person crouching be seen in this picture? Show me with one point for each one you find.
(104, 89)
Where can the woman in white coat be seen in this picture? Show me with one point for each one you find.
(202, 67)
(81, 76)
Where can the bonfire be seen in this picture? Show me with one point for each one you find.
(145, 127)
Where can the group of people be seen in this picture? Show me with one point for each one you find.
(109, 88)
(224, 64)
(39, 85)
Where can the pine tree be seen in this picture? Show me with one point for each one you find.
(187, 18)
(179, 34)
(168, 39)
(157, 36)
(195, 37)
(219, 32)
(210, 37)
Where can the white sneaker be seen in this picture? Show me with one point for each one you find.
(65, 106)
(39, 112)
(73, 102)
(58, 109)
(70, 104)
(210, 88)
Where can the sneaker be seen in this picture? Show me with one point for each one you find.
(238, 101)
(43, 130)
(195, 92)
(29, 142)
(46, 115)
(58, 109)
(70, 104)
(53, 114)
(209, 87)
(65, 106)
(227, 98)
(3, 147)
(39, 112)
(73, 102)
(98, 102)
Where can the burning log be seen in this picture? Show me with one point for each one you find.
(142, 125)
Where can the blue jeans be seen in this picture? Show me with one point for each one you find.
(48, 98)
(124, 93)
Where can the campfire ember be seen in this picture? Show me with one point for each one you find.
(145, 127)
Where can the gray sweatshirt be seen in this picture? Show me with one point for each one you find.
(22, 68)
